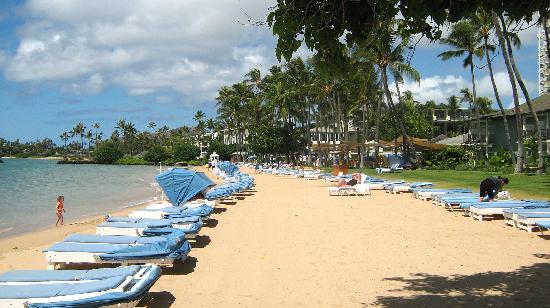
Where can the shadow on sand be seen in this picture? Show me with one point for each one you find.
(526, 286)
(211, 223)
(187, 267)
(161, 299)
(219, 210)
(228, 202)
(201, 241)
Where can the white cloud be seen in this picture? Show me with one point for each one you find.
(437, 88)
(190, 47)
(164, 99)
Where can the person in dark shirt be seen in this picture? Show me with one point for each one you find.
(490, 187)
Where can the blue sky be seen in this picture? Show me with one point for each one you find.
(65, 61)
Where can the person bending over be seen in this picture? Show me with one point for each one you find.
(490, 187)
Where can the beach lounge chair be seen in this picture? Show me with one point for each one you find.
(121, 286)
(406, 187)
(379, 185)
(117, 249)
(392, 168)
(481, 210)
(203, 211)
(141, 226)
(342, 191)
(528, 221)
(430, 193)
(510, 215)
(543, 225)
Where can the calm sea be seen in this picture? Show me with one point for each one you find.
(29, 188)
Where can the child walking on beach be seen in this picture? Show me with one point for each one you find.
(59, 210)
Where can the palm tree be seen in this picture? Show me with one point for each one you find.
(151, 125)
(387, 52)
(97, 135)
(512, 38)
(79, 130)
(465, 41)
(65, 137)
(502, 43)
(88, 135)
(483, 22)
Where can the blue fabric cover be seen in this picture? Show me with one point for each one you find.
(112, 239)
(145, 224)
(111, 298)
(544, 224)
(535, 215)
(67, 275)
(59, 289)
(505, 204)
(180, 185)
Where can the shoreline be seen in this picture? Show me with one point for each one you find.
(87, 220)
(44, 235)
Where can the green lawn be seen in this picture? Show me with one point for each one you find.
(521, 185)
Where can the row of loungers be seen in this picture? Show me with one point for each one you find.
(139, 244)
(529, 215)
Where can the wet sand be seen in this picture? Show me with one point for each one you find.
(292, 244)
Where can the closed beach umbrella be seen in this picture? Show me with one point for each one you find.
(180, 185)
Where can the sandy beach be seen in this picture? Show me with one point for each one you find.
(290, 244)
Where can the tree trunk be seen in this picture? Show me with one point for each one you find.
(521, 147)
(402, 111)
(499, 102)
(377, 128)
(363, 138)
(408, 153)
(476, 108)
(540, 167)
(308, 125)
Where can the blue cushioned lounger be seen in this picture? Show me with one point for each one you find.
(77, 288)
(163, 248)
(544, 224)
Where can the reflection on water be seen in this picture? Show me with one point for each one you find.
(29, 187)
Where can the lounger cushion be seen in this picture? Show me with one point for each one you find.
(544, 224)
(59, 289)
(66, 275)
(112, 239)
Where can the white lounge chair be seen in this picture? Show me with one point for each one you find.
(124, 250)
(113, 287)
(392, 168)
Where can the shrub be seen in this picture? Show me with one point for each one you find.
(129, 160)
(169, 162)
(186, 152)
(107, 153)
(448, 158)
(501, 158)
(156, 154)
(224, 150)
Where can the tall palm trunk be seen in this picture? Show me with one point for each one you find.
(363, 137)
(540, 167)
(499, 102)
(377, 128)
(476, 108)
(521, 146)
(402, 110)
(308, 125)
(408, 149)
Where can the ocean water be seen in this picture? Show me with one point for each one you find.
(29, 190)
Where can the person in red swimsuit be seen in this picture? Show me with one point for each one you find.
(59, 210)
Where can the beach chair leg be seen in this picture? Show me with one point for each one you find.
(51, 266)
